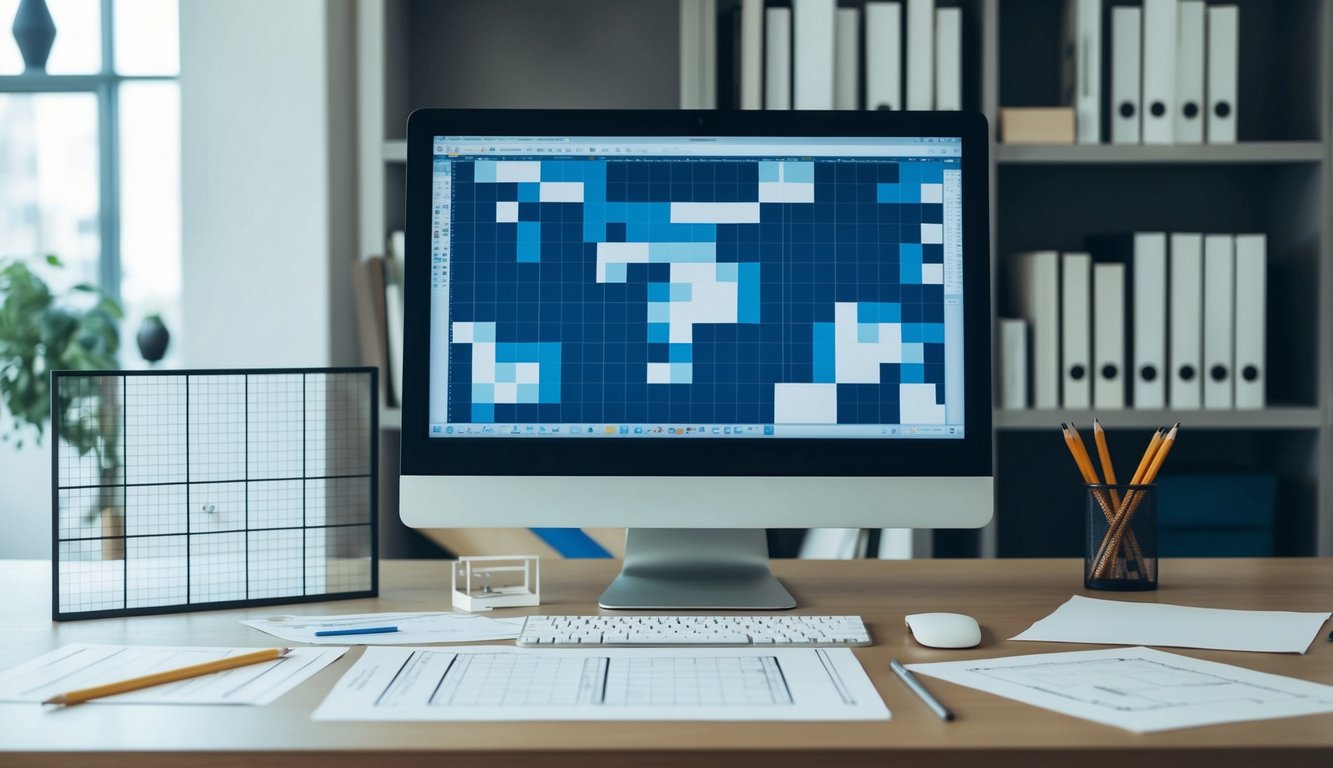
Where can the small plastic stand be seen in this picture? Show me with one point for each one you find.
(496, 581)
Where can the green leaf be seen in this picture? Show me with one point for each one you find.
(54, 260)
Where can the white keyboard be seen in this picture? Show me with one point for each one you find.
(647, 630)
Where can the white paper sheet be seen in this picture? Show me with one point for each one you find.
(513, 684)
(83, 665)
(415, 628)
(1115, 622)
(1138, 689)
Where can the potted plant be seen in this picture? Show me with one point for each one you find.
(40, 332)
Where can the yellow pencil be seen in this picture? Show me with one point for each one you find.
(1104, 454)
(168, 676)
(1117, 530)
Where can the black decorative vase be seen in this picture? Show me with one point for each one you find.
(153, 338)
(35, 32)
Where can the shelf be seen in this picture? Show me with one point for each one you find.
(395, 151)
(1290, 417)
(1164, 154)
(391, 418)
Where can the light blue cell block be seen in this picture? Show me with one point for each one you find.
(529, 242)
(888, 193)
(483, 332)
(528, 352)
(891, 312)
(483, 171)
(617, 272)
(727, 272)
(617, 211)
(638, 231)
(506, 352)
(681, 291)
(914, 353)
(867, 333)
(483, 413)
(909, 174)
(529, 192)
(550, 389)
(909, 263)
(659, 312)
(483, 393)
(798, 171)
(769, 170)
(548, 354)
(529, 393)
(823, 356)
(867, 312)
(911, 333)
(594, 221)
(682, 253)
(659, 333)
(682, 373)
(506, 373)
(932, 333)
(913, 373)
(659, 292)
(747, 292)
(931, 173)
(681, 353)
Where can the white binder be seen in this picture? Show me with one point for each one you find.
(1035, 296)
(1251, 272)
(1126, 26)
(1076, 329)
(1186, 308)
(949, 58)
(1159, 71)
(777, 58)
(1223, 27)
(1013, 363)
(1081, 73)
(1149, 348)
(1219, 302)
(847, 59)
(1108, 336)
(813, 36)
(752, 54)
(920, 41)
(884, 56)
(1190, 103)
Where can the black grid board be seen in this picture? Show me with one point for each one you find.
(202, 489)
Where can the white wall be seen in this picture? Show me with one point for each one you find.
(268, 209)
(266, 253)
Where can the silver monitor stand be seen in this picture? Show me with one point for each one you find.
(685, 568)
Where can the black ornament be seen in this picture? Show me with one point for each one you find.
(152, 338)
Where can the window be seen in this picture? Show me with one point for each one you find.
(90, 154)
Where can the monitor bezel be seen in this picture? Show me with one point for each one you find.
(966, 456)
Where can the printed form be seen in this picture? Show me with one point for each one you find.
(510, 684)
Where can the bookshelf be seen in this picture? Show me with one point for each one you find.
(1277, 180)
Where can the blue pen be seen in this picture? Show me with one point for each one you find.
(355, 631)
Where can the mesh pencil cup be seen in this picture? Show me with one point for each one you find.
(1120, 544)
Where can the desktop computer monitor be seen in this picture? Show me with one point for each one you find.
(696, 325)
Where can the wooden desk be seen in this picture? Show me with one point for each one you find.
(1004, 595)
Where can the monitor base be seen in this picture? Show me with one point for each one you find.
(694, 569)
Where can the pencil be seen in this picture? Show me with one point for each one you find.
(1130, 547)
(1104, 454)
(168, 676)
(1117, 531)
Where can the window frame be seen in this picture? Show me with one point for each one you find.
(105, 86)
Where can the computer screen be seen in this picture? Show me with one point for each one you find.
(747, 300)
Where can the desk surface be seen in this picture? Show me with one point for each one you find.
(1004, 595)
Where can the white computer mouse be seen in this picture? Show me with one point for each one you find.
(944, 630)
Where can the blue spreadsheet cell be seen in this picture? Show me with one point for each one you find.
(687, 290)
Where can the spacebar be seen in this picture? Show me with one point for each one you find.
(679, 639)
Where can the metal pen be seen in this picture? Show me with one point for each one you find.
(910, 680)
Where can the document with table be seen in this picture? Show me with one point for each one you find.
(496, 683)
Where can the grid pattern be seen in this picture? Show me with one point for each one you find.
(210, 489)
(669, 291)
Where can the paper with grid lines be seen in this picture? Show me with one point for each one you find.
(489, 683)
(179, 490)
